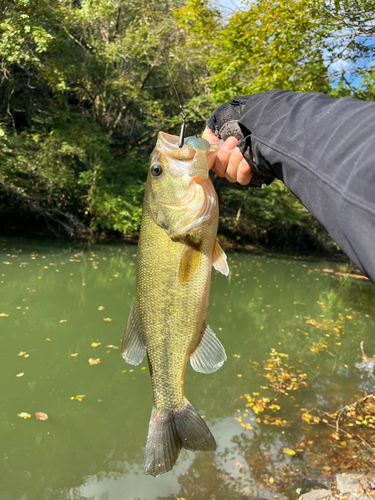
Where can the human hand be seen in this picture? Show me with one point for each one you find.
(228, 162)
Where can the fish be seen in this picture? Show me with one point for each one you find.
(167, 321)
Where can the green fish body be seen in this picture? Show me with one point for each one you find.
(176, 251)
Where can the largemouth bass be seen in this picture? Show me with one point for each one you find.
(176, 251)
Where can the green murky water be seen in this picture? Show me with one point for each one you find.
(56, 301)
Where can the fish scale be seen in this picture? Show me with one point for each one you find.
(176, 251)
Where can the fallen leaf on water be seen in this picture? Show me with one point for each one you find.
(236, 355)
(143, 368)
(93, 361)
(95, 344)
(289, 451)
(21, 353)
(24, 415)
(41, 416)
(20, 374)
(107, 319)
(3, 315)
(74, 354)
(110, 346)
(26, 355)
(79, 397)
(101, 308)
(63, 320)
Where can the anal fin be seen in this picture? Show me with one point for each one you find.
(210, 355)
(132, 346)
(219, 259)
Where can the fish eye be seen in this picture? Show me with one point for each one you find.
(156, 170)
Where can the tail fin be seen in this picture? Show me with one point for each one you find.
(168, 432)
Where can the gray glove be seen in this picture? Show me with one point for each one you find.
(223, 122)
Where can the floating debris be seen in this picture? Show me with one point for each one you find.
(24, 415)
(93, 361)
(41, 416)
(79, 397)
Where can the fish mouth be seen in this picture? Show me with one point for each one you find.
(190, 159)
(199, 201)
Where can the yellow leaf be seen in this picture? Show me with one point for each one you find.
(21, 353)
(107, 319)
(74, 354)
(26, 355)
(101, 308)
(143, 368)
(3, 315)
(24, 415)
(335, 436)
(271, 480)
(110, 346)
(95, 344)
(79, 397)
(20, 374)
(289, 451)
(239, 375)
(93, 361)
(63, 320)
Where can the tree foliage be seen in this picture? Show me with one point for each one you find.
(85, 86)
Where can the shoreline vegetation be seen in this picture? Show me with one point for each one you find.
(84, 92)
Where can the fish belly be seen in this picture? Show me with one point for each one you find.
(171, 317)
(171, 314)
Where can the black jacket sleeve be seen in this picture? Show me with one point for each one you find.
(323, 149)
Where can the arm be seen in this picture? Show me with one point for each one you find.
(323, 150)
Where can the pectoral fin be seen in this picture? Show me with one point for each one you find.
(210, 355)
(132, 346)
(219, 259)
(189, 264)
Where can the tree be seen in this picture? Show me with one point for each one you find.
(84, 89)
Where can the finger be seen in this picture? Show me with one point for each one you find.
(223, 156)
(233, 163)
(209, 136)
(244, 173)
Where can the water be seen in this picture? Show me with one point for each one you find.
(56, 301)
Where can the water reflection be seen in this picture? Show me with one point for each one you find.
(58, 301)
